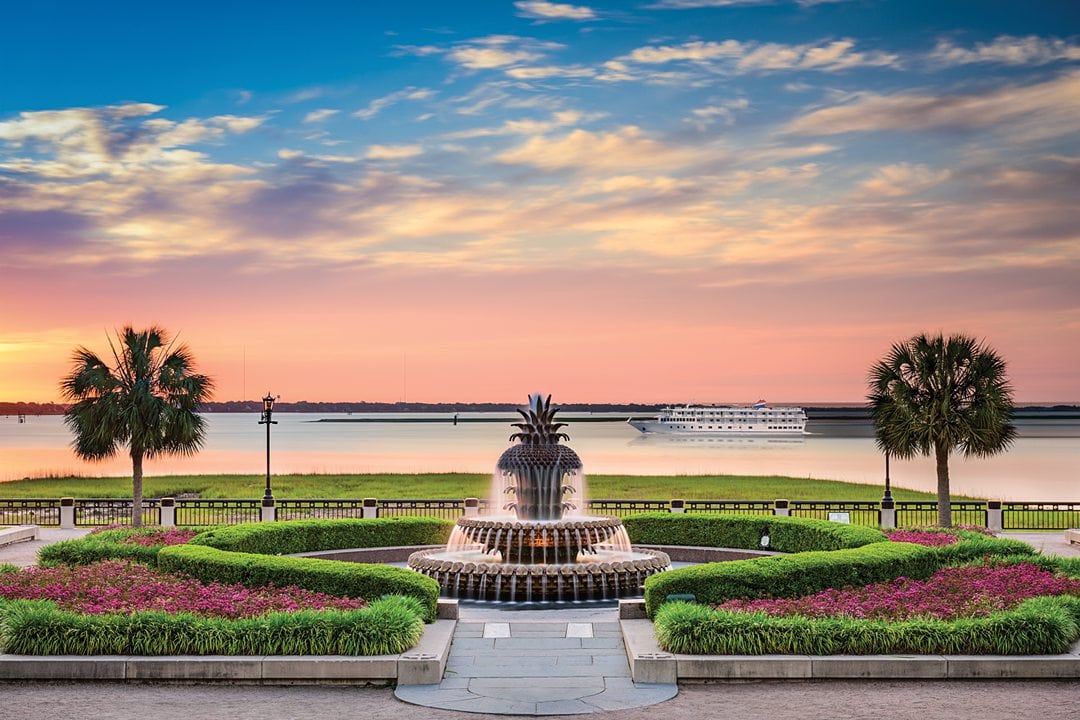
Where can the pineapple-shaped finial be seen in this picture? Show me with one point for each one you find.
(539, 427)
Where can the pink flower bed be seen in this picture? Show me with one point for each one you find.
(127, 587)
(950, 593)
(171, 536)
(923, 537)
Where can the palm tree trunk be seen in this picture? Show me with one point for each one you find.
(136, 488)
(944, 511)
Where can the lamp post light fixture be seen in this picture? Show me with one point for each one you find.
(888, 498)
(267, 420)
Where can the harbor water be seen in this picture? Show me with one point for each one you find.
(1042, 465)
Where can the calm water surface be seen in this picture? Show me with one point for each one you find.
(1043, 464)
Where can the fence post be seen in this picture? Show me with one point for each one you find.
(888, 514)
(269, 510)
(67, 513)
(993, 516)
(677, 506)
(472, 507)
(168, 512)
(781, 509)
(371, 509)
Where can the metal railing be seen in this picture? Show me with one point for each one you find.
(855, 513)
(448, 509)
(95, 512)
(37, 511)
(323, 509)
(911, 514)
(623, 508)
(1039, 516)
(729, 507)
(217, 512)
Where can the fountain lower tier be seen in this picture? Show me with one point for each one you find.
(535, 542)
(596, 575)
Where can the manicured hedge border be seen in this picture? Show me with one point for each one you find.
(297, 536)
(329, 576)
(806, 572)
(385, 627)
(786, 534)
(1038, 626)
(105, 545)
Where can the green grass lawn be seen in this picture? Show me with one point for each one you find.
(455, 485)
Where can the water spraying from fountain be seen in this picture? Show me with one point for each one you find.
(540, 546)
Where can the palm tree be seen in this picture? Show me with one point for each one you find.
(938, 394)
(148, 402)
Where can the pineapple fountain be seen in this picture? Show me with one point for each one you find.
(541, 547)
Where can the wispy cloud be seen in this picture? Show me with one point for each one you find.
(734, 57)
(377, 105)
(499, 51)
(541, 10)
(392, 152)
(1042, 110)
(622, 150)
(319, 115)
(1006, 50)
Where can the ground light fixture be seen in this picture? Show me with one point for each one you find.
(267, 420)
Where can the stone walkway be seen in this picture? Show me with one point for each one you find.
(537, 668)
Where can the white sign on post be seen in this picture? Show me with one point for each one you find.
(840, 517)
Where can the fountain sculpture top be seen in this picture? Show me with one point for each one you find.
(537, 465)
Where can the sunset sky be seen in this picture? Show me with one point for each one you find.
(653, 201)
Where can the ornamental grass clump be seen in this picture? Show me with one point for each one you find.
(967, 591)
(124, 587)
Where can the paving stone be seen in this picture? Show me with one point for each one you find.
(496, 630)
(482, 685)
(564, 707)
(579, 630)
(472, 644)
(541, 643)
(601, 642)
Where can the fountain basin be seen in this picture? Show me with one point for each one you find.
(597, 575)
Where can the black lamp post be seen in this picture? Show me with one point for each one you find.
(888, 491)
(266, 419)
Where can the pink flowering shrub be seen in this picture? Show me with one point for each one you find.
(124, 587)
(950, 593)
(164, 536)
(923, 537)
(145, 536)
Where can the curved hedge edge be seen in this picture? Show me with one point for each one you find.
(1038, 626)
(790, 575)
(809, 572)
(386, 627)
(105, 545)
(297, 536)
(786, 534)
(329, 576)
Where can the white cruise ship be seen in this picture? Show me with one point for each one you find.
(758, 419)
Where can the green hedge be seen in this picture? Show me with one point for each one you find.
(786, 534)
(107, 545)
(297, 536)
(329, 576)
(386, 627)
(809, 572)
(1037, 626)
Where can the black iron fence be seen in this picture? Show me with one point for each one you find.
(911, 514)
(322, 509)
(854, 513)
(217, 512)
(448, 509)
(623, 508)
(1039, 516)
(729, 507)
(42, 512)
(95, 512)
